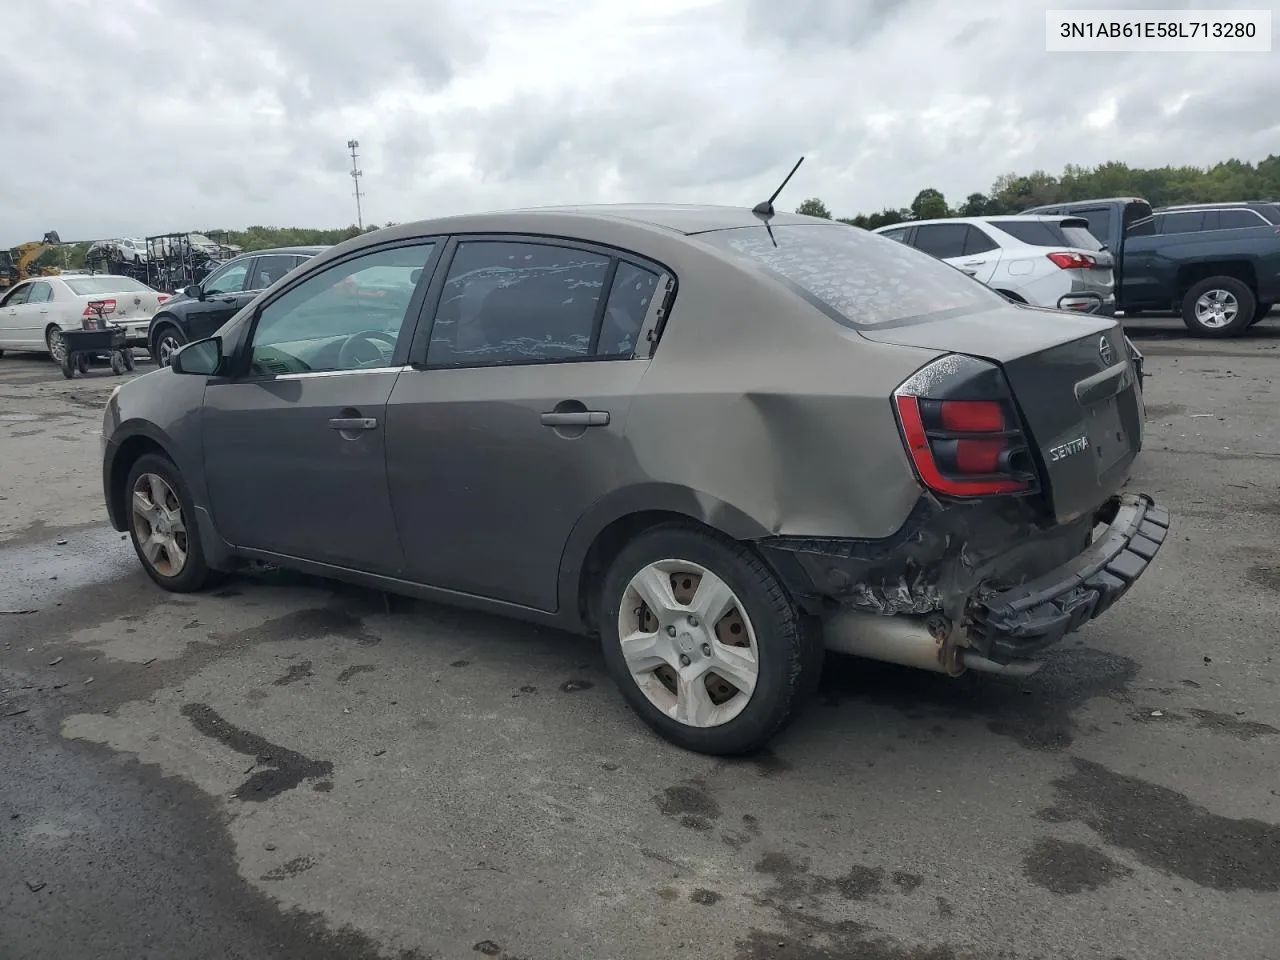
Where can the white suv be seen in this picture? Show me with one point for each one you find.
(1050, 262)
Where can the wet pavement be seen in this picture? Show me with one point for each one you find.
(284, 768)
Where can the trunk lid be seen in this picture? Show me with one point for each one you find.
(1073, 382)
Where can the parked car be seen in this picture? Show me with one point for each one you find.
(203, 307)
(1220, 277)
(1052, 262)
(121, 250)
(718, 444)
(34, 313)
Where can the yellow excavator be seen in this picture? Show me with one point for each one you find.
(18, 263)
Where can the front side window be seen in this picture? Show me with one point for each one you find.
(518, 302)
(17, 296)
(230, 279)
(852, 276)
(346, 317)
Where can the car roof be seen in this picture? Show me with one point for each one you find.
(1047, 218)
(307, 251)
(1225, 204)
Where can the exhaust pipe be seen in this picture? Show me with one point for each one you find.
(910, 641)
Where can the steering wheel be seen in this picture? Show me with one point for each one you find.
(362, 349)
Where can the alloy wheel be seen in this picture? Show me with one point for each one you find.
(1216, 308)
(688, 643)
(57, 345)
(166, 347)
(158, 525)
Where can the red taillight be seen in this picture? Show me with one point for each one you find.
(972, 416)
(161, 298)
(963, 447)
(97, 307)
(1070, 260)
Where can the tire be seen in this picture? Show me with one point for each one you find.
(193, 573)
(787, 655)
(55, 343)
(130, 362)
(164, 342)
(68, 366)
(117, 362)
(1237, 307)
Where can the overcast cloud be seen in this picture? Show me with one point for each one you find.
(143, 116)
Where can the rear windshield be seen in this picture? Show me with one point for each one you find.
(1042, 233)
(89, 286)
(854, 276)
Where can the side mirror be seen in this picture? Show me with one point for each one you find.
(194, 292)
(202, 358)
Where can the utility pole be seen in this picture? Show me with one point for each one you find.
(356, 174)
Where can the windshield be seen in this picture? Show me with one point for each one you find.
(88, 286)
(856, 277)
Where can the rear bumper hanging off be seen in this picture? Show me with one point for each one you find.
(1022, 621)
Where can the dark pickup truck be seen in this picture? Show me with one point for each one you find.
(1220, 277)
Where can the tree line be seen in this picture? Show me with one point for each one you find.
(1013, 193)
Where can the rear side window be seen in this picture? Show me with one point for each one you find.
(1099, 221)
(854, 277)
(518, 302)
(941, 240)
(1188, 222)
(270, 268)
(1232, 219)
(978, 241)
(1046, 233)
(632, 293)
(41, 292)
(899, 235)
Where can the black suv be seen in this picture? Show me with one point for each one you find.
(202, 308)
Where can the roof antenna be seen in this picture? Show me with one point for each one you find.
(764, 210)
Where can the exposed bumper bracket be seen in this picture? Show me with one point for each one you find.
(1023, 620)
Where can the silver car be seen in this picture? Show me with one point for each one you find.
(721, 445)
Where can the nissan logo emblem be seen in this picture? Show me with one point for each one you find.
(1104, 350)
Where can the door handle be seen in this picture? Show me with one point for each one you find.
(576, 418)
(974, 263)
(354, 423)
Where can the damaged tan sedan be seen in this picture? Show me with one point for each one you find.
(722, 445)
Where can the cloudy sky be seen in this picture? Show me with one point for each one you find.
(132, 117)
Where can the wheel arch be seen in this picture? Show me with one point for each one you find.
(137, 440)
(618, 518)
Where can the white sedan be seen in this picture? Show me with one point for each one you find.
(34, 313)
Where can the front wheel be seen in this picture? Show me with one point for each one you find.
(704, 642)
(1218, 307)
(166, 342)
(162, 526)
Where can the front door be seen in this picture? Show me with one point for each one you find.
(294, 441)
(515, 425)
(225, 292)
(15, 318)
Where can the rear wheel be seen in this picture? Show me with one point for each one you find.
(1218, 307)
(704, 642)
(162, 526)
(165, 342)
(56, 344)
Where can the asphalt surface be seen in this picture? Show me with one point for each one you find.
(282, 768)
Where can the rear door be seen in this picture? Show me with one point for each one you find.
(981, 254)
(946, 241)
(512, 426)
(295, 436)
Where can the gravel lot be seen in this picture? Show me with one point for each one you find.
(287, 769)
